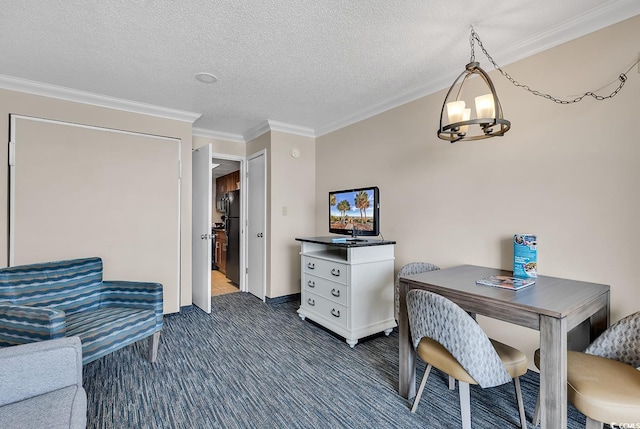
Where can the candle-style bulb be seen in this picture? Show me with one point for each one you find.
(485, 107)
(455, 111)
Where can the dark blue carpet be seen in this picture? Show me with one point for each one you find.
(254, 365)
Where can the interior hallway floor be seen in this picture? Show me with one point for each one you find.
(221, 285)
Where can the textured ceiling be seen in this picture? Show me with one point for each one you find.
(316, 65)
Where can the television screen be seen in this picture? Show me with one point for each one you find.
(355, 211)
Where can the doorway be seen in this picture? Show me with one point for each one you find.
(207, 275)
(227, 208)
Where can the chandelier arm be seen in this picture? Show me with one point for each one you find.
(622, 78)
(449, 93)
(466, 76)
(496, 102)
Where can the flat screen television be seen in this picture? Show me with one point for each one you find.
(355, 212)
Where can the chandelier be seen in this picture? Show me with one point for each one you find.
(488, 120)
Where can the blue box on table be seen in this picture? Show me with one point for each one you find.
(525, 255)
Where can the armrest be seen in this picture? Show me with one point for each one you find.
(144, 295)
(30, 370)
(21, 324)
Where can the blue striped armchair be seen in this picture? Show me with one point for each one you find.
(69, 298)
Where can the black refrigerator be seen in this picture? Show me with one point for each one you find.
(232, 229)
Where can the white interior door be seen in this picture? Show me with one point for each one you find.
(257, 191)
(201, 227)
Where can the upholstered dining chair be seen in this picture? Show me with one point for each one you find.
(603, 382)
(406, 270)
(449, 339)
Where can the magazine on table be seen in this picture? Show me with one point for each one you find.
(507, 282)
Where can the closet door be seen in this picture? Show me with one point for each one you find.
(79, 191)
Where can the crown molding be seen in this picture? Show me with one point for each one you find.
(270, 125)
(67, 94)
(583, 24)
(290, 128)
(397, 100)
(256, 131)
(594, 20)
(218, 135)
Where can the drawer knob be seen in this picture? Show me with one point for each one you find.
(335, 313)
(311, 302)
(335, 272)
(335, 293)
(311, 266)
(311, 283)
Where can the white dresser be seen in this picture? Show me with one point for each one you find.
(347, 287)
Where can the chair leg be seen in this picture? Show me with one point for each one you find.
(523, 417)
(154, 341)
(593, 424)
(452, 383)
(536, 412)
(422, 384)
(465, 404)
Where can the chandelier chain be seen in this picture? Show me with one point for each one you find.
(622, 78)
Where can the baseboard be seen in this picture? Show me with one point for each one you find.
(182, 310)
(271, 301)
(187, 308)
(283, 299)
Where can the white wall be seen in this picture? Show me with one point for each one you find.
(220, 146)
(292, 208)
(566, 173)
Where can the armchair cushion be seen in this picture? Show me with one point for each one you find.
(41, 385)
(103, 331)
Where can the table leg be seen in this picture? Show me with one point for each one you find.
(599, 322)
(553, 372)
(407, 355)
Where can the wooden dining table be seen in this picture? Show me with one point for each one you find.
(553, 306)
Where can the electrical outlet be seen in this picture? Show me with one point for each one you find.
(285, 211)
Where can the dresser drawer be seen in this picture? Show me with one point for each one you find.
(333, 291)
(329, 310)
(331, 270)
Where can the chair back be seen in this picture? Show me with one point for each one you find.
(415, 268)
(407, 270)
(621, 341)
(436, 317)
(71, 286)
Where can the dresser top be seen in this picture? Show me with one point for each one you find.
(346, 241)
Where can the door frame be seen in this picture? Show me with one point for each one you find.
(201, 281)
(243, 212)
(262, 153)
